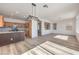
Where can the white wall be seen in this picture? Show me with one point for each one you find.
(77, 28)
(77, 24)
(61, 27)
(34, 28)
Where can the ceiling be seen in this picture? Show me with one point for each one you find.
(55, 11)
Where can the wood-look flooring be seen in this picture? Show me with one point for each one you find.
(22, 47)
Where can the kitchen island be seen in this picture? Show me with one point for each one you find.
(11, 37)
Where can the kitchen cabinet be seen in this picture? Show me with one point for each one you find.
(1, 21)
(11, 37)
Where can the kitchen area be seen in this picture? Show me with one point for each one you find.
(13, 30)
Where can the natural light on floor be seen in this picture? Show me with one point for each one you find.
(50, 48)
(63, 37)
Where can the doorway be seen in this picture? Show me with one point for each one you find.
(39, 28)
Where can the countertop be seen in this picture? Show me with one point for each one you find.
(10, 32)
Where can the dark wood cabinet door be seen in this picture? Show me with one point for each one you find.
(19, 36)
(8, 38)
(5, 39)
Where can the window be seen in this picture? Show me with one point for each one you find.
(47, 25)
(54, 26)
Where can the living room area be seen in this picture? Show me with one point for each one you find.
(39, 29)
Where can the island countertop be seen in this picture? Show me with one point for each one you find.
(10, 32)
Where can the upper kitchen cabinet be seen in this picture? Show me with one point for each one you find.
(1, 21)
(9, 22)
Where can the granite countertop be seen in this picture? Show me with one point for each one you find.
(10, 32)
